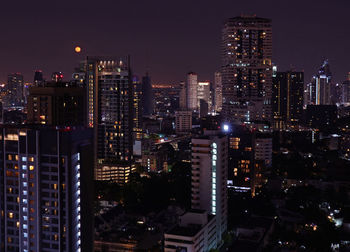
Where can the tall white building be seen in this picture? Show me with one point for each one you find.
(191, 91)
(209, 177)
(218, 91)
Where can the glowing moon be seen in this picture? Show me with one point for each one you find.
(77, 49)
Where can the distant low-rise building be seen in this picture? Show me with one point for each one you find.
(183, 121)
(196, 232)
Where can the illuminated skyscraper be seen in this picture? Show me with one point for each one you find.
(138, 108)
(15, 87)
(110, 112)
(247, 69)
(191, 91)
(45, 189)
(319, 90)
(288, 96)
(218, 91)
(209, 177)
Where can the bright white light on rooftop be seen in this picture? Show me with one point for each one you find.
(226, 128)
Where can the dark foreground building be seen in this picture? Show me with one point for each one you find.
(321, 116)
(287, 98)
(45, 182)
(56, 104)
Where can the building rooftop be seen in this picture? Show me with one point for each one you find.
(189, 231)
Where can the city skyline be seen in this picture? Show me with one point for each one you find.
(166, 39)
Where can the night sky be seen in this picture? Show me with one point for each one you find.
(167, 38)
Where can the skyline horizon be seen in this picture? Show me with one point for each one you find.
(167, 39)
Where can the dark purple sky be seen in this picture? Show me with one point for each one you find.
(169, 38)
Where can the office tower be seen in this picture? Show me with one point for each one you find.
(147, 96)
(110, 112)
(345, 91)
(57, 77)
(15, 89)
(218, 91)
(183, 121)
(58, 104)
(209, 177)
(45, 187)
(319, 90)
(38, 78)
(247, 69)
(191, 91)
(203, 98)
(287, 98)
(182, 96)
(137, 107)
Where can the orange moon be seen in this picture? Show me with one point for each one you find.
(77, 49)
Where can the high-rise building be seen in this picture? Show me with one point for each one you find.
(209, 177)
(38, 78)
(15, 86)
(110, 112)
(45, 187)
(247, 69)
(147, 96)
(59, 104)
(191, 91)
(138, 108)
(203, 98)
(345, 93)
(218, 91)
(319, 90)
(287, 98)
(182, 96)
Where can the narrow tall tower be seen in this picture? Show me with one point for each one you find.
(191, 91)
(209, 176)
(218, 91)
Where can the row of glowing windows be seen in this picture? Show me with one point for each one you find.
(12, 157)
